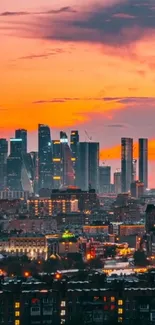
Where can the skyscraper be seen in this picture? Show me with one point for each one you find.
(134, 169)
(143, 161)
(104, 179)
(14, 165)
(83, 166)
(117, 182)
(16, 146)
(3, 160)
(45, 156)
(57, 165)
(74, 140)
(93, 165)
(126, 163)
(67, 163)
(22, 134)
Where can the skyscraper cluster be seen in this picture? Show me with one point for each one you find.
(57, 163)
(67, 162)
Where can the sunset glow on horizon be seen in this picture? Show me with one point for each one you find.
(87, 67)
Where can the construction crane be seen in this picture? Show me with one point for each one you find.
(88, 136)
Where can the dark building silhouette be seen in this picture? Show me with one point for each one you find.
(83, 166)
(67, 164)
(3, 161)
(16, 146)
(150, 218)
(126, 163)
(88, 165)
(45, 156)
(14, 165)
(143, 161)
(57, 172)
(22, 134)
(74, 140)
(104, 179)
(117, 182)
(14, 168)
(93, 167)
(137, 189)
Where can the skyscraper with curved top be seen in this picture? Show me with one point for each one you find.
(126, 163)
(44, 156)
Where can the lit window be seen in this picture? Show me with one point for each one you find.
(17, 322)
(63, 303)
(17, 313)
(112, 299)
(120, 302)
(104, 299)
(17, 304)
(120, 319)
(63, 313)
(120, 311)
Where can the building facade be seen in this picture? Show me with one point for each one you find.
(126, 163)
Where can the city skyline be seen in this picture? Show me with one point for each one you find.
(46, 81)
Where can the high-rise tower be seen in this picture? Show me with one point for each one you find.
(45, 156)
(143, 162)
(126, 163)
(94, 165)
(22, 134)
(3, 160)
(74, 140)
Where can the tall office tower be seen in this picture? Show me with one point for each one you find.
(68, 176)
(117, 182)
(143, 162)
(83, 166)
(16, 146)
(57, 165)
(137, 189)
(126, 163)
(45, 156)
(104, 179)
(22, 134)
(14, 165)
(134, 163)
(74, 140)
(93, 165)
(14, 171)
(35, 175)
(3, 161)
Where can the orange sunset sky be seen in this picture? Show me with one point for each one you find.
(89, 66)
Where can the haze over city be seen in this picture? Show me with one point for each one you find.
(89, 66)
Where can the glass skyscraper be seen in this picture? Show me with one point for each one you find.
(143, 162)
(126, 163)
(44, 156)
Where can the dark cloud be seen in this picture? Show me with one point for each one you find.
(49, 101)
(42, 55)
(117, 25)
(13, 13)
(24, 13)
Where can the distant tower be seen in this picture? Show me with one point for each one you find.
(134, 169)
(104, 179)
(117, 182)
(45, 156)
(126, 163)
(22, 134)
(3, 160)
(143, 162)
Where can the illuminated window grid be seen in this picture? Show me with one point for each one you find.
(17, 305)
(112, 299)
(17, 313)
(120, 302)
(17, 322)
(120, 311)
